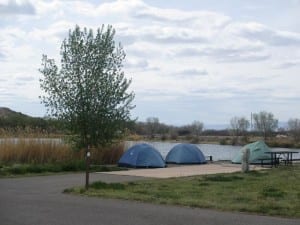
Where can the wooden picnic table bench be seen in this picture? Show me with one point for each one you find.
(284, 155)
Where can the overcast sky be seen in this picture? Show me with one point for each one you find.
(206, 60)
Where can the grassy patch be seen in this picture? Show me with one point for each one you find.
(222, 178)
(101, 185)
(72, 166)
(270, 192)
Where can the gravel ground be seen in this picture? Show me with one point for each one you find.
(185, 170)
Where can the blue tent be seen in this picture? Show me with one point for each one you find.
(141, 155)
(185, 154)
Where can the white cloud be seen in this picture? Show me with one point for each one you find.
(25, 78)
(226, 53)
(13, 7)
(135, 62)
(50, 8)
(191, 72)
(56, 32)
(2, 55)
(288, 63)
(259, 32)
(178, 17)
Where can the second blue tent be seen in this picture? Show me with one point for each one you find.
(185, 154)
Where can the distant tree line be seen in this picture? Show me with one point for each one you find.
(264, 124)
(152, 128)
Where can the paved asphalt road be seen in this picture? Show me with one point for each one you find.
(39, 201)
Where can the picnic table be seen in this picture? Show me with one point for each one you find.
(285, 155)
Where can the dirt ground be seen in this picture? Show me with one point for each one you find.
(185, 170)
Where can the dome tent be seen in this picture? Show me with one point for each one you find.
(142, 156)
(185, 154)
(257, 151)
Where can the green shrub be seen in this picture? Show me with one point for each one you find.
(68, 190)
(73, 166)
(82, 190)
(164, 137)
(17, 169)
(223, 141)
(35, 169)
(53, 168)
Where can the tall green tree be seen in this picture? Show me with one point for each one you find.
(265, 123)
(88, 91)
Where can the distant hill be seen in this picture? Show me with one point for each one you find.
(13, 119)
(16, 122)
(6, 113)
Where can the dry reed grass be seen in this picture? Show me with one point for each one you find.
(39, 151)
(28, 132)
(107, 155)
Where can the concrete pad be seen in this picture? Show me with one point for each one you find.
(183, 171)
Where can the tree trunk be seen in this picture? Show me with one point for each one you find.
(87, 168)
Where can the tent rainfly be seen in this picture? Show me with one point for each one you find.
(257, 152)
(142, 156)
(185, 154)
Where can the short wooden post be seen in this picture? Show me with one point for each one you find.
(245, 160)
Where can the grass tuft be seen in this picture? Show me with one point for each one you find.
(222, 178)
(102, 185)
(272, 192)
